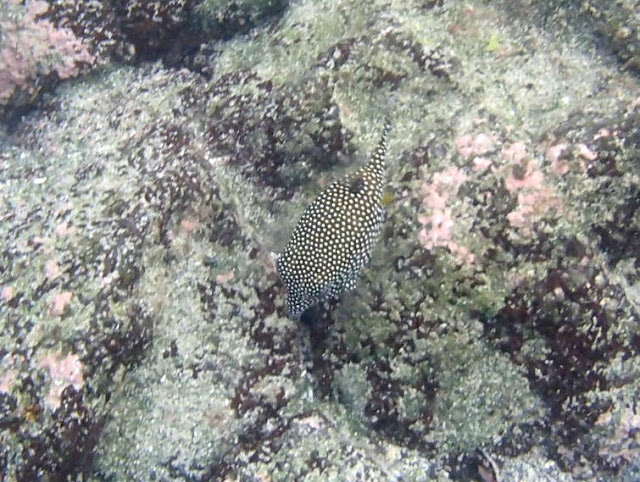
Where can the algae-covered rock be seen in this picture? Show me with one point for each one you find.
(492, 336)
(223, 18)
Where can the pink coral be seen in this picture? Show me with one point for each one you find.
(438, 224)
(189, 225)
(63, 229)
(527, 181)
(6, 380)
(516, 152)
(481, 163)
(7, 293)
(224, 278)
(32, 47)
(554, 154)
(64, 371)
(439, 228)
(52, 269)
(470, 146)
(524, 177)
(59, 301)
(586, 152)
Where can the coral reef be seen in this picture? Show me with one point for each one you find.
(33, 51)
(143, 327)
(44, 41)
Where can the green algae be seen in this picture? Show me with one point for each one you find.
(482, 394)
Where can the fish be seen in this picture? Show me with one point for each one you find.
(335, 235)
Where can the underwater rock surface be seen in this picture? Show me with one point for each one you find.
(494, 335)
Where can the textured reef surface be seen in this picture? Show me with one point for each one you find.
(155, 155)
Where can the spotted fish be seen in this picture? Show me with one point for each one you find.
(335, 235)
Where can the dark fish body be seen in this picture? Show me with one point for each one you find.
(335, 235)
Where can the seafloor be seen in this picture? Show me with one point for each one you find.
(154, 156)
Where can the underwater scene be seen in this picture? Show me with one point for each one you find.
(320, 240)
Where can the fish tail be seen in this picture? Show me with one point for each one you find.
(377, 162)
